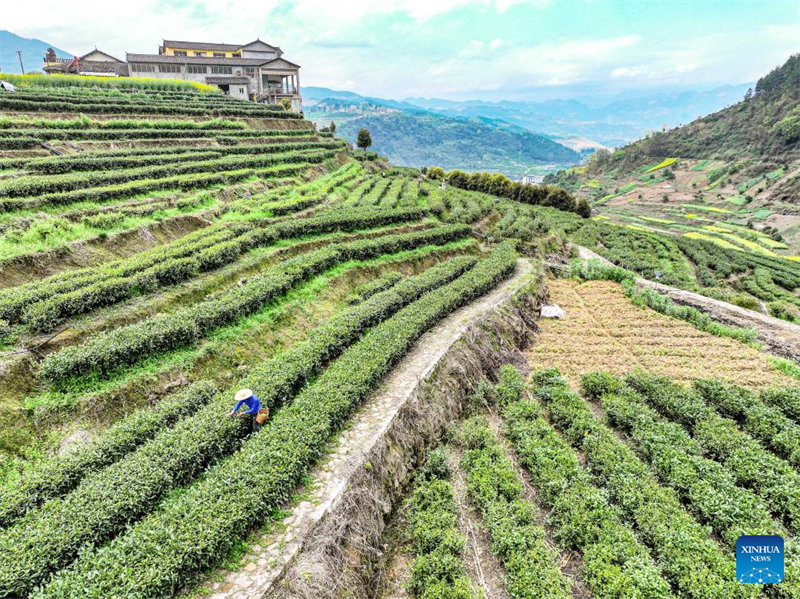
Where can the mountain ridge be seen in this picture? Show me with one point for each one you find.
(617, 122)
(33, 50)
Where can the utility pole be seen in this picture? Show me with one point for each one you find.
(22, 66)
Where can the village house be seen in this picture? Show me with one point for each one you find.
(96, 63)
(256, 71)
(532, 179)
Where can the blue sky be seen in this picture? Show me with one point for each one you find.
(491, 50)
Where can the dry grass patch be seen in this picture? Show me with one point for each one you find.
(603, 330)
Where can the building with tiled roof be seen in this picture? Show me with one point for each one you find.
(96, 63)
(255, 71)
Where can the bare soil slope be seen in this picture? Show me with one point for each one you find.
(603, 330)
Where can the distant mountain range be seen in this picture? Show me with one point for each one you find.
(412, 136)
(32, 53)
(571, 122)
(765, 126)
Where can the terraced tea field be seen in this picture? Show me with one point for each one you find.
(162, 247)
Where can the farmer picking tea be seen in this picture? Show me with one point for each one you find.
(258, 414)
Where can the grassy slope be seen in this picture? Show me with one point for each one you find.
(742, 162)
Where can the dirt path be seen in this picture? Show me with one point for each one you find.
(367, 467)
(781, 338)
(392, 579)
(482, 565)
(603, 330)
(571, 563)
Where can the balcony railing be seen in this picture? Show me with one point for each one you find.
(280, 90)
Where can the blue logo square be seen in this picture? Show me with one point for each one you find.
(759, 559)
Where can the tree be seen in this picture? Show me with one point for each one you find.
(435, 172)
(583, 208)
(561, 199)
(364, 139)
(332, 127)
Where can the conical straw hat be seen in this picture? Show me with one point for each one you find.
(243, 394)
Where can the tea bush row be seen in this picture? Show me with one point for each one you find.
(437, 569)
(90, 161)
(41, 185)
(190, 531)
(770, 477)
(114, 106)
(105, 502)
(681, 546)
(370, 288)
(194, 180)
(57, 476)
(532, 567)
(8, 136)
(766, 423)
(708, 489)
(14, 300)
(84, 122)
(108, 351)
(44, 315)
(614, 564)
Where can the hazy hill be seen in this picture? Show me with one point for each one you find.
(32, 52)
(763, 126)
(736, 168)
(427, 139)
(610, 123)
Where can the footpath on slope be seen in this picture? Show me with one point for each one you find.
(782, 338)
(370, 464)
(481, 565)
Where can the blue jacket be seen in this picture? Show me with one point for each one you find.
(252, 403)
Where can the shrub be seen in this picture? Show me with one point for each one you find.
(190, 531)
(106, 352)
(517, 539)
(785, 399)
(436, 173)
(437, 570)
(510, 387)
(583, 208)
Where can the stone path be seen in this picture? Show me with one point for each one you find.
(274, 550)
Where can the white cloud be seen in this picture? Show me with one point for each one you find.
(394, 48)
(503, 6)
